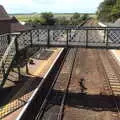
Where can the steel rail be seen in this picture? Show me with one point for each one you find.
(41, 110)
(60, 114)
(108, 82)
(38, 88)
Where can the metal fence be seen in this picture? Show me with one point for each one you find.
(4, 42)
(7, 57)
(98, 37)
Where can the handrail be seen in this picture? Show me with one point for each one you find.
(63, 27)
(5, 34)
(10, 49)
(7, 52)
(28, 32)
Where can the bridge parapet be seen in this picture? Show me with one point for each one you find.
(71, 36)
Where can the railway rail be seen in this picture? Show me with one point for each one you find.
(112, 81)
(69, 63)
(56, 103)
(66, 71)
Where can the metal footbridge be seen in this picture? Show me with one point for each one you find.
(71, 36)
(60, 36)
(57, 36)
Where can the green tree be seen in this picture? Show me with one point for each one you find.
(76, 16)
(84, 17)
(109, 10)
(62, 21)
(47, 18)
(116, 10)
(43, 19)
(75, 19)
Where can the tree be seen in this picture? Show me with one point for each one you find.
(43, 19)
(48, 18)
(62, 21)
(116, 10)
(109, 10)
(75, 19)
(76, 16)
(84, 17)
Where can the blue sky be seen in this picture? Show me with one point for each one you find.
(56, 6)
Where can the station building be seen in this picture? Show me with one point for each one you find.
(9, 24)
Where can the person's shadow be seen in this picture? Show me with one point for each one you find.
(82, 86)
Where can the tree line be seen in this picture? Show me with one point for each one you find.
(109, 10)
(48, 18)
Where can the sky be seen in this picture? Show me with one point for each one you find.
(55, 6)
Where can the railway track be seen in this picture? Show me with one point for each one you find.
(64, 75)
(111, 88)
(52, 97)
(112, 81)
(58, 102)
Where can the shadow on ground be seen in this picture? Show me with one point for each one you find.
(19, 79)
(34, 53)
(93, 102)
(21, 87)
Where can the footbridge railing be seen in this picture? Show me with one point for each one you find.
(7, 56)
(4, 42)
(71, 36)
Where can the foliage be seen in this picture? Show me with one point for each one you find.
(62, 21)
(49, 18)
(77, 18)
(84, 17)
(109, 10)
(44, 19)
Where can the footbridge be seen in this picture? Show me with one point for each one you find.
(71, 36)
(52, 36)
(62, 36)
(57, 36)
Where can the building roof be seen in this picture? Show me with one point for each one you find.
(17, 26)
(3, 14)
(10, 24)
